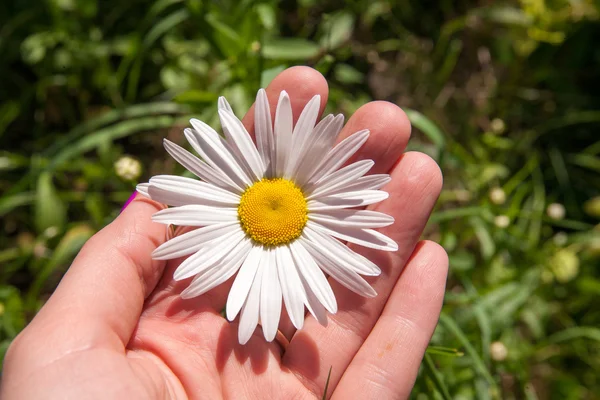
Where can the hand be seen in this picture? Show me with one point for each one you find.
(116, 328)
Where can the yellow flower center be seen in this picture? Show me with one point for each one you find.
(273, 211)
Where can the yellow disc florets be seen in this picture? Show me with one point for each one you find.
(273, 211)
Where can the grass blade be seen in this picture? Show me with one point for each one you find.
(327, 384)
(436, 377)
(9, 203)
(117, 131)
(449, 324)
(444, 351)
(578, 332)
(427, 126)
(110, 117)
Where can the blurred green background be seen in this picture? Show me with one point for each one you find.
(503, 94)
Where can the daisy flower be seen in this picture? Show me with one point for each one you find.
(277, 213)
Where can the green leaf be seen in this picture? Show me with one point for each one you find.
(486, 243)
(484, 323)
(498, 296)
(267, 15)
(337, 30)
(3, 348)
(507, 15)
(157, 8)
(163, 26)
(427, 126)
(9, 111)
(586, 161)
(589, 285)
(592, 207)
(66, 249)
(10, 161)
(348, 74)
(49, 208)
(290, 49)
(229, 42)
(12, 320)
(325, 64)
(96, 206)
(9, 254)
(196, 97)
(462, 260)
(158, 30)
(9, 203)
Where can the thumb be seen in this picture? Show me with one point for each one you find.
(100, 298)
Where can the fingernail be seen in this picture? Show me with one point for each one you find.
(129, 200)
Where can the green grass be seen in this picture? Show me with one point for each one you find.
(504, 95)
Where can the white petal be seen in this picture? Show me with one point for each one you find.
(142, 188)
(313, 304)
(223, 104)
(250, 311)
(208, 256)
(170, 197)
(315, 139)
(329, 183)
(196, 215)
(364, 237)
(213, 150)
(313, 276)
(233, 161)
(307, 120)
(211, 278)
(239, 139)
(353, 218)
(202, 129)
(178, 190)
(199, 167)
(320, 142)
(369, 182)
(263, 130)
(270, 298)
(347, 200)
(291, 286)
(302, 131)
(339, 253)
(242, 283)
(337, 156)
(344, 276)
(332, 132)
(193, 241)
(283, 132)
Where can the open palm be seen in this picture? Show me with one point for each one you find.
(117, 328)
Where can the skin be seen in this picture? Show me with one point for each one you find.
(116, 327)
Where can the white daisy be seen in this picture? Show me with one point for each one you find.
(275, 212)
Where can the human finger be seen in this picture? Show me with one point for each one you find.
(100, 298)
(414, 188)
(389, 133)
(402, 332)
(389, 129)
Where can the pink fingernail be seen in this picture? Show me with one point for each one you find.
(129, 200)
